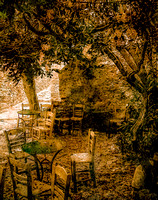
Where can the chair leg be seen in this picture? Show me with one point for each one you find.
(80, 128)
(18, 122)
(2, 180)
(91, 165)
(72, 128)
(73, 170)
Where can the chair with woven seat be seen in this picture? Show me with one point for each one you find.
(2, 179)
(15, 138)
(24, 118)
(77, 118)
(44, 129)
(44, 114)
(23, 184)
(46, 106)
(84, 158)
(60, 183)
(55, 104)
(26, 121)
(62, 119)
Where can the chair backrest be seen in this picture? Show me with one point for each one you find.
(2, 179)
(44, 107)
(78, 110)
(55, 103)
(21, 178)
(59, 112)
(63, 111)
(60, 183)
(91, 142)
(43, 114)
(50, 120)
(15, 139)
(26, 106)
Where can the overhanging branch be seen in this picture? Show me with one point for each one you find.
(41, 33)
(128, 57)
(142, 57)
(115, 59)
(47, 26)
(132, 80)
(101, 28)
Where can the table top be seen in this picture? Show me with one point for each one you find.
(29, 112)
(43, 146)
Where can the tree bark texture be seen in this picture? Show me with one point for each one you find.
(30, 91)
(135, 79)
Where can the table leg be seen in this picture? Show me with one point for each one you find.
(37, 168)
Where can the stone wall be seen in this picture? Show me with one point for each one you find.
(105, 96)
(107, 91)
(12, 94)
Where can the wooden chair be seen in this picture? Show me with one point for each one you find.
(55, 104)
(46, 107)
(44, 129)
(84, 158)
(23, 184)
(60, 183)
(78, 112)
(26, 121)
(62, 119)
(15, 138)
(45, 110)
(24, 118)
(2, 179)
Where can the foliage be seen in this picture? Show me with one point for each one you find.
(148, 144)
(20, 48)
(78, 32)
(145, 148)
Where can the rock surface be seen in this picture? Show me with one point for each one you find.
(138, 181)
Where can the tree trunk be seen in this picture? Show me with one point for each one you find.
(30, 91)
(135, 81)
(139, 123)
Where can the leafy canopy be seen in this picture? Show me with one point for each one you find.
(74, 32)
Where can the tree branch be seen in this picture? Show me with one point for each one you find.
(128, 57)
(142, 57)
(116, 60)
(139, 123)
(41, 33)
(49, 28)
(101, 28)
(133, 80)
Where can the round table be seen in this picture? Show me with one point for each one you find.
(27, 112)
(35, 148)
